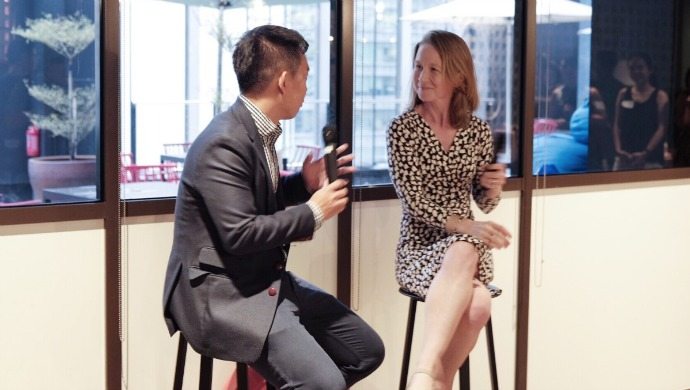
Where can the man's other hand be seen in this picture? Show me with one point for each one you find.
(314, 170)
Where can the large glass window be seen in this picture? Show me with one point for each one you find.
(386, 32)
(178, 74)
(49, 107)
(605, 87)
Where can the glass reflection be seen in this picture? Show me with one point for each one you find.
(602, 89)
(681, 122)
(563, 104)
(49, 127)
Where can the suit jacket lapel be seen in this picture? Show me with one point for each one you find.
(246, 117)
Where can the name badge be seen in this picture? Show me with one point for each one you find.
(629, 104)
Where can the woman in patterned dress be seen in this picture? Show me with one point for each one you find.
(440, 156)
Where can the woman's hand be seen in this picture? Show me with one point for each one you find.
(638, 158)
(493, 178)
(624, 154)
(491, 233)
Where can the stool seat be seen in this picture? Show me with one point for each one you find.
(464, 370)
(495, 291)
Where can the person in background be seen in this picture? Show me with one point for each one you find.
(639, 126)
(605, 81)
(563, 97)
(226, 287)
(601, 150)
(440, 157)
(573, 150)
(681, 131)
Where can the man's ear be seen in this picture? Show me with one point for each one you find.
(282, 80)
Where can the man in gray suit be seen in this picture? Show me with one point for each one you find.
(226, 287)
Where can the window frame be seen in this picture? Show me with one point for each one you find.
(111, 209)
(341, 94)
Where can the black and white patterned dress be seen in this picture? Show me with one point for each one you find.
(432, 184)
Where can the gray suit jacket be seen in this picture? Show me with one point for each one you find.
(232, 233)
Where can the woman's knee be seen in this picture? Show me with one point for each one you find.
(480, 307)
(462, 256)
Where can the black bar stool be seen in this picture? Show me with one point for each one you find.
(206, 370)
(464, 371)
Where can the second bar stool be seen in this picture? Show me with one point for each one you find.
(464, 371)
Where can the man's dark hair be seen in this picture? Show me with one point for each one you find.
(265, 51)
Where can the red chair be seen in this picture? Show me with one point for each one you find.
(126, 159)
(175, 154)
(544, 125)
(176, 149)
(300, 152)
(139, 173)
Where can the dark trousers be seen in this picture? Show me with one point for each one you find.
(316, 342)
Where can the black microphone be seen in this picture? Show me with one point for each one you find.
(499, 139)
(330, 141)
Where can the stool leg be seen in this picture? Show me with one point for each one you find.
(242, 378)
(205, 373)
(464, 375)
(179, 363)
(408, 343)
(492, 355)
(268, 385)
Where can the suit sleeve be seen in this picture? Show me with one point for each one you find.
(227, 182)
(294, 189)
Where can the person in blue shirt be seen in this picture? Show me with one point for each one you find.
(572, 151)
(564, 151)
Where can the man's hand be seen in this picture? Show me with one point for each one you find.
(314, 171)
(332, 198)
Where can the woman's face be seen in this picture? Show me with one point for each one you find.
(639, 70)
(428, 79)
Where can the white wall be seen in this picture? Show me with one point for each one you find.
(52, 306)
(610, 295)
(609, 303)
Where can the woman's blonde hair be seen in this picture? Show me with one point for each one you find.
(458, 68)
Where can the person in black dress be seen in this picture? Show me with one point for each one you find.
(639, 127)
